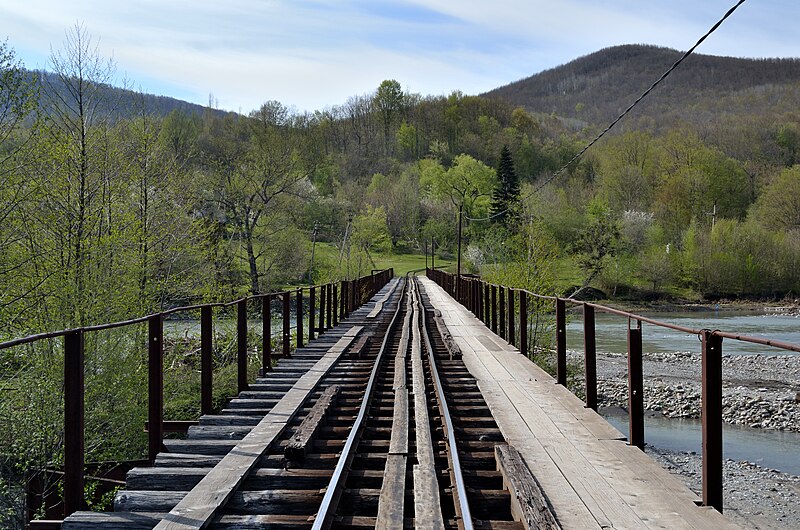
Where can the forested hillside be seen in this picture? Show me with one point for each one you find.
(596, 88)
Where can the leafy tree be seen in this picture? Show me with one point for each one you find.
(468, 183)
(252, 185)
(506, 195)
(389, 102)
(778, 208)
(18, 103)
(598, 241)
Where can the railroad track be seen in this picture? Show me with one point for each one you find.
(377, 424)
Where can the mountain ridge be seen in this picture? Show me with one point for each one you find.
(597, 87)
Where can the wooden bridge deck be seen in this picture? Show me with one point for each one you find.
(590, 475)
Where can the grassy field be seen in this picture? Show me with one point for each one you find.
(402, 263)
(327, 259)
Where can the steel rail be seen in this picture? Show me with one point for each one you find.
(460, 487)
(329, 502)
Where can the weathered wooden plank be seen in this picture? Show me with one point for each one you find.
(447, 337)
(105, 520)
(528, 501)
(391, 504)
(376, 310)
(204, 501)
(427, 505)
(398, 444)
(305, 433)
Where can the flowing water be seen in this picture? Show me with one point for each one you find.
(772, 449)
(611, 331)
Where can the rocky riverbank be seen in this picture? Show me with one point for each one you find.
(758, 392)
(753, 496)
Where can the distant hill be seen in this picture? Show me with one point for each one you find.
(598, 87)
(125, 103)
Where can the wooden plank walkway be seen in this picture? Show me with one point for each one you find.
(590, 475)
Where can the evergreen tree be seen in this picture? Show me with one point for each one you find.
(506, 195)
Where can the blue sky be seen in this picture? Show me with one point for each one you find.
(310, 54)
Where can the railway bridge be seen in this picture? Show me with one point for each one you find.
(403, 409)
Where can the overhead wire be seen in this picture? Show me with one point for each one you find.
(563, 168)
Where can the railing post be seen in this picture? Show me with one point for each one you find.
(343, 297)
(329, 306)
(561, 342)
(590, 356)
(74, 391)
(487, 305)
(523, 323)
(342, 300)
(241, 344)
(322, 293)
(494, 309)
(299, 318)
(206, 360)
(266, 334)
(335, 303)
(635, 387)
(155, 385)
(287, 331)
(312, 300)
(502, 310)
(512, 336)
(712, 420)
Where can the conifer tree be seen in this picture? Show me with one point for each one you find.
(506, 194)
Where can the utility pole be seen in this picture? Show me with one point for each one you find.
(426, 255)
(458, 267)
(433, 254)
(313, 246)
(713, 214)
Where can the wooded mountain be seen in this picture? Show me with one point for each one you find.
(125, 103)
(596, 88)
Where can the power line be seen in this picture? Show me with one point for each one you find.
(624, 113)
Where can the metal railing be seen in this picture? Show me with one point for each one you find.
(336, 301)
(496, 306)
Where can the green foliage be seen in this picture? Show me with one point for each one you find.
(371, 232)
(778, 208)
(598, 241)
(505, 197)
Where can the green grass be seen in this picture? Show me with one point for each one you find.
(327, 258)
(403, 263)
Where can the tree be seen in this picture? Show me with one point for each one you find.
(505, 197)
(468, 183)
(18, 102)
(598, 241)
(389, 102)
(778, 208)
(253, 186)
(78, 183)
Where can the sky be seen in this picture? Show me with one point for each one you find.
(312, 54)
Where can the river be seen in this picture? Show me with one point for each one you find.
(611, 331)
